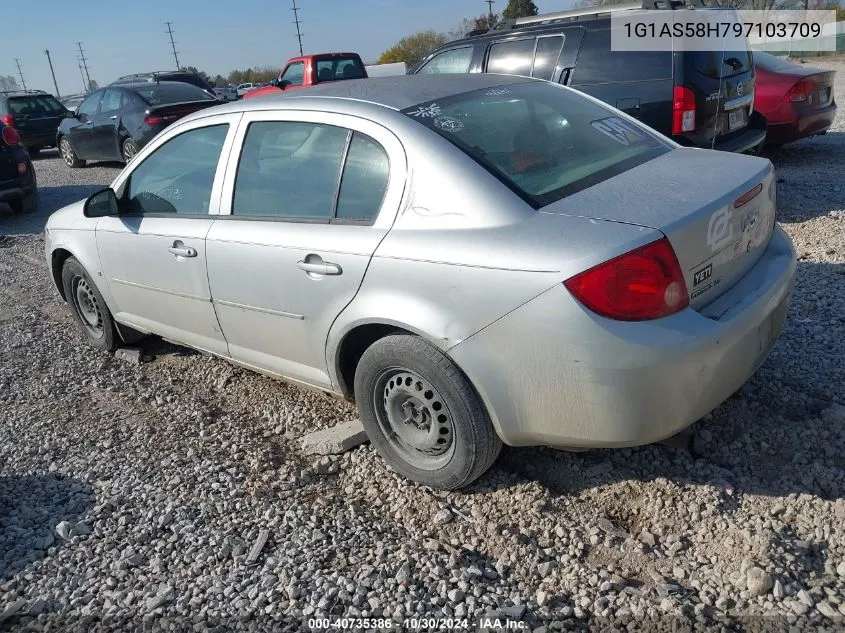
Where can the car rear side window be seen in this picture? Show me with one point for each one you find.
(179, 175)
(543, 141)
(365, 177)
(512, 58)
(111, 101)
(597, 64)
(33, 105)
(455, 61)
(546, 56)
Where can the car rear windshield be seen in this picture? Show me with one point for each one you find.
(35, 105)
(543, 141)
(339, 68)
(773, 64)
(172, 92)
(723, 64)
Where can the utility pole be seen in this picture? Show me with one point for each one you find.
(82, 74)
(84, 63)
(18, 62)
(50, 61)
(296, 21)
(490, 4)
(173, 44)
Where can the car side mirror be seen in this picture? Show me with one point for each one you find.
(274, 82)
(101, 204)
(70, 114)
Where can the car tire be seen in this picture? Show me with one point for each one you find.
(33, 151)
(422, 414)
(68, 153)
(88, 307)
(26, 205)
(128, 149)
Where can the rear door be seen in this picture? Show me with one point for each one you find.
(307, 199)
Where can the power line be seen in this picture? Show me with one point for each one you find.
(50, 61)
(297, 21)
(18, 62)
(84, 62)
(173, 44)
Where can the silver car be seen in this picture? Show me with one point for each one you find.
(473, 259)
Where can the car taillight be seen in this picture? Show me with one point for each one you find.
(8, 119)
(152, 119)
(646, 283)
(804, 90)
(683, 110)
(11, 136)
(748, 196)
(21, 168)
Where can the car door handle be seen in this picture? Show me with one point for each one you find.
(113, 117)
(314, 264)
(89, 123)
(183, 251)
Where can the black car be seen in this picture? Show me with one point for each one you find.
(113, 123)
(699, 99)
(184, 76)
(17, 177)
(35, 114)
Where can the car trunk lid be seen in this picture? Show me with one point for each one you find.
(717, 214)
(166, 114)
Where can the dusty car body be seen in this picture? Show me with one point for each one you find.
(477, 282)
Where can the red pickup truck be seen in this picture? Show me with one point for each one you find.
(310, 70)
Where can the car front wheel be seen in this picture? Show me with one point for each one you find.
(128, 149)
(422, 414)
(69, 153)
(88, 307)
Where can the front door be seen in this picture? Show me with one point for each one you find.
(104, 141)
(154, 252)
(81, 133)
(310, 200)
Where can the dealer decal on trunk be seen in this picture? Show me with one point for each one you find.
(619, 130)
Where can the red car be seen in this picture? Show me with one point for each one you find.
(796, 99)
(310, 70)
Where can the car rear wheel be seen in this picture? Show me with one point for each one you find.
(128, 150)
(25, 205)
(422, 414)
(88, 308)
(69, 154)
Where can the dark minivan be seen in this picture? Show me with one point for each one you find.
(700, 99)
(35, 115)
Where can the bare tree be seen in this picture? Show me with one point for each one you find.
(8, 82)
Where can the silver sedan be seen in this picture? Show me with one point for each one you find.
(472, 259)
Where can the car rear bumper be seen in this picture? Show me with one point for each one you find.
(554, 373)
(814, 122)
(749, 139)
(12, 191)
(39, 139)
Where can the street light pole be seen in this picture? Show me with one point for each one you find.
(50, 61)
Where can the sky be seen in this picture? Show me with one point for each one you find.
(121, 37)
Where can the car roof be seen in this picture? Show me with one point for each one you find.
(397, 92)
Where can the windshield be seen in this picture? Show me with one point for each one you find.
(172, 92)
(544, 141)
(33, 105)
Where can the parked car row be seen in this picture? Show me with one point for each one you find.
(714, 100)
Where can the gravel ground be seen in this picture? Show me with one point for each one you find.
(131, 495)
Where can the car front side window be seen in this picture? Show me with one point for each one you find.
(294, 74)
(90, 105)
(177, 178)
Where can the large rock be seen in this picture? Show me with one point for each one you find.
(335, 440)
(758, 581)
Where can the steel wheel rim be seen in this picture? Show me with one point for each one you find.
(67, 151)
(414, 417)
(129, 151)
(87, 307)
